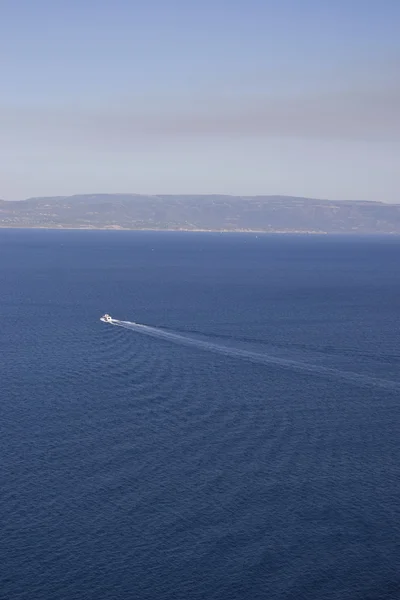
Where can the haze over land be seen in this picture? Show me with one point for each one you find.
(202, 212)
(300, 98)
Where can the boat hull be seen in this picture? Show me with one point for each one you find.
(106, 319)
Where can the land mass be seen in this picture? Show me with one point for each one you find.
(285, 214)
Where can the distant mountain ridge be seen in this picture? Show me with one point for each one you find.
(202, 212)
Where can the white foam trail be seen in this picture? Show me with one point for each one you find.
(256, 357)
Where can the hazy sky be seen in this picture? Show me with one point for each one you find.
(296, 97)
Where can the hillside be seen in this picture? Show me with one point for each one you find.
(208, 212)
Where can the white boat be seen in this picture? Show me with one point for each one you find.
(106, 318)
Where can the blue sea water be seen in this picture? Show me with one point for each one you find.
(246, 446)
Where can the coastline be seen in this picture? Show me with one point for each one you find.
(176, 230)
(183, 230)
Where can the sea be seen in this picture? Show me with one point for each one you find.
(233, 435)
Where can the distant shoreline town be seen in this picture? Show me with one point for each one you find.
(201, 213)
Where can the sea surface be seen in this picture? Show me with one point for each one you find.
(244, 446)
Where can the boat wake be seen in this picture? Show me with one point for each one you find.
(257, 357)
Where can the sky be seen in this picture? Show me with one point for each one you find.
(296, 97)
